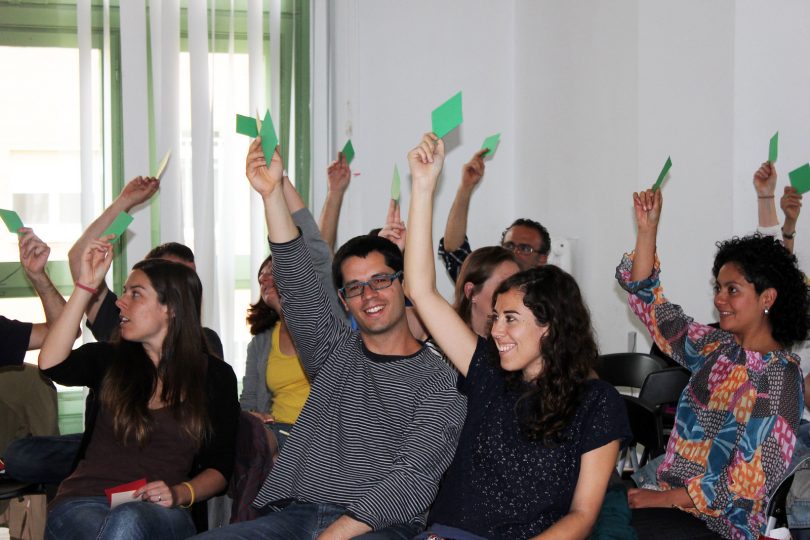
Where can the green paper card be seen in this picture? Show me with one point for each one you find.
(348, 151)
(269, 137)
(163, 164)
(800, 178)
(12, 220)
(395, 185)
(490, 144)
(661, 176)
(246, 125)
(773, 150)
(447, 116)
(118, 226)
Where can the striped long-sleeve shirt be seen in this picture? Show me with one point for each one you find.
(377, 432)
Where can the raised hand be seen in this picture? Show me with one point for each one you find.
(33, 252)
(394, 228)
(426, 161)
(339, 174)
(791, 204)
(647, 205)
(765, 180)
(138, 190)
(263, 177)
(96, 261)
(473, 170)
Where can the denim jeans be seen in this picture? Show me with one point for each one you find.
(81, 518)
(301, 521)
(798, 500)
(42, 460)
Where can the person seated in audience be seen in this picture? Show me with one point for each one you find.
(167, 409)
(18, 337)
(527, 239)
(480, 275)
(383, 415)
(736, 422)
(540, 440)
(275, 386)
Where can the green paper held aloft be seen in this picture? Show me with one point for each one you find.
(348, 151)
(800, 178)
(395, 193)
(773, 149)
(491, 143)
(118, 226)
(12, 220)
(447, 116)
(269, 137)
(246, 125)
(663, 174)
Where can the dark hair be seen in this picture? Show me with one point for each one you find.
(477, 269)
(545, 239)
(362, 246)
(375, 232)
(766, 263)
(172, 249)
(568, 351)
(132, 377)
(260, 316)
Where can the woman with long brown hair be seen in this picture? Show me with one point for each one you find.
(167, 409)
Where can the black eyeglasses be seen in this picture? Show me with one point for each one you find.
(523, 249)
(377, 283)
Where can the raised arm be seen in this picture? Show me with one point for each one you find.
(95, 262)
(33, 257)
(765, 186)
(791, 204)
(647, 206)
(137, 191)
(338, 175)
(456, 228)
(266, 179)
(444, 325)
(394, 228)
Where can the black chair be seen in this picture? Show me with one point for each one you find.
(627, 369)
(645, 425)
(662, 389)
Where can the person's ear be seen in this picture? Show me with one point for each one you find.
(468, 290)
(768, 298)
(342, 301)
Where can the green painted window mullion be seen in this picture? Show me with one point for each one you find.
(301, 73)
(116, 123)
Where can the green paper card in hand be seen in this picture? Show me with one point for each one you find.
(269, 137)
(447, 116)
(663, 174)
(773, 149)
(395, 185)
(800, 178)
(118, 226)
(245, 125)
(490, 144)
(348, 151)
(12, 220)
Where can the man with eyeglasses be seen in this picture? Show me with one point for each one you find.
(383, 415)
(527, 239)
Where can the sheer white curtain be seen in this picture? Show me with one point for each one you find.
(202, 200)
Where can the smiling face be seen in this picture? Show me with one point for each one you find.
(482, 300)
(517, 335)
(267, 287)
(376, 312)
(740, 307)
(143, 318)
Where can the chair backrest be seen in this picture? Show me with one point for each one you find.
(645, 424)
(627, 369)
(664, 386)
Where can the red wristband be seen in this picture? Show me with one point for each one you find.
(91, 290)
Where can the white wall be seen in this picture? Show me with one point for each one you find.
(591, 98)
